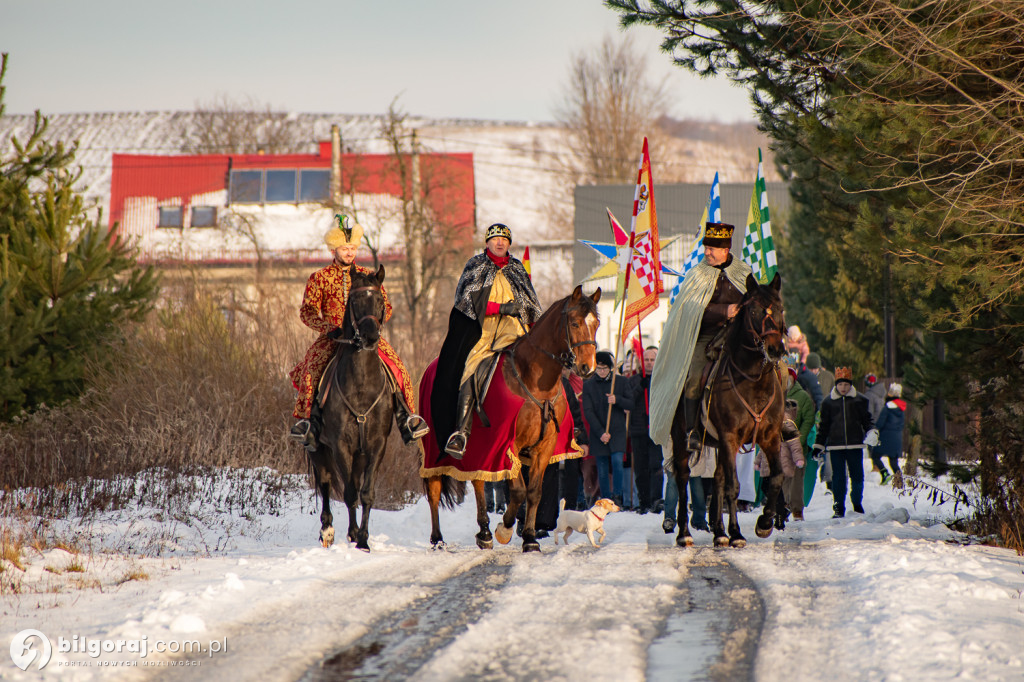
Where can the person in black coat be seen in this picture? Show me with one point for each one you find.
(845, 427)
(647, 455)
(607, 447)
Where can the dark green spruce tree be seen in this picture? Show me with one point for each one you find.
(69, 283)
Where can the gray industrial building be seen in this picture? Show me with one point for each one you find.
(679, 209)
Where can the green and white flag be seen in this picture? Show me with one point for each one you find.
(758, 247)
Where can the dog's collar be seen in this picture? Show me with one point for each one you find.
(599, 517)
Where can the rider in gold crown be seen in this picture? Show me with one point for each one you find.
(323, 311)
(709, 298)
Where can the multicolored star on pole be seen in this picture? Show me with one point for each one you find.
(618, 256)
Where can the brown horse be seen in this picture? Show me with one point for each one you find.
(746, 406)
(562, 337)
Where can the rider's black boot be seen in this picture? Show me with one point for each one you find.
(691, 411)
(410, 425)
(456, 445)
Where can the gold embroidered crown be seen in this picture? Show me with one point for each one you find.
(718, 230)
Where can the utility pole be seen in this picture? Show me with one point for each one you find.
(335, 167)
(415, 244)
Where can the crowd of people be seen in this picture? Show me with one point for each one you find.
(828, 423)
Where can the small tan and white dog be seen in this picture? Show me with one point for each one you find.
(584, 521)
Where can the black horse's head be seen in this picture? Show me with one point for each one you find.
(581, 321)
(365, 309)
(764, 317)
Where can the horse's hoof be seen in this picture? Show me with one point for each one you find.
(739, 543)
(484, 544)
(531, 546)
(722, 541)
(503, 534)
(327, 536)
(684, 541)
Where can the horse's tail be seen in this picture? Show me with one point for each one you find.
(453, 491)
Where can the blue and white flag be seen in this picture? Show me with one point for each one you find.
(712, 214)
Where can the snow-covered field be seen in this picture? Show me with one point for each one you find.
(889, 595)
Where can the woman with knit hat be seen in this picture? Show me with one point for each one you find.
(890, 432)
(323, 310)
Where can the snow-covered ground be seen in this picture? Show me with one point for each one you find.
(889, 595)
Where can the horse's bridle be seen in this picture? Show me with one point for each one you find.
(568, 357)
(357, 339)
(761, 335)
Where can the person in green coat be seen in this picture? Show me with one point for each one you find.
(796, 494)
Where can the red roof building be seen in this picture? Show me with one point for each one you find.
(237, 208)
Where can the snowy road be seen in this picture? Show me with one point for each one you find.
(572, 613)
(888, 595)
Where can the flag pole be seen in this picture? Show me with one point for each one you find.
(622, 317)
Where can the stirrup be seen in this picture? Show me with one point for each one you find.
(456, 445)
(416, 426)
(300, 431)
(693, 443)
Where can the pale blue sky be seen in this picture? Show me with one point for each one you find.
(445, 58)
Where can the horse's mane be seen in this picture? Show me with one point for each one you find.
(556, 308)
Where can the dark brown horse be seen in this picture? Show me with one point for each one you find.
(357, 413)
(562, 337)
(747, 405)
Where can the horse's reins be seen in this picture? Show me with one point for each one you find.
(731, 364)
(357, 342)
(357, 339)
(566, 359)
(759, 335)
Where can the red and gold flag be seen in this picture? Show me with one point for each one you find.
(643, 278)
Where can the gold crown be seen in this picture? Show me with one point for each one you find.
(718, 230)
(844, 374)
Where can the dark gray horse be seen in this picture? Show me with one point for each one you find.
(747, 406)
(357, 412)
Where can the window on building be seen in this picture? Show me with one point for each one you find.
(314, 185)
(280, 186)
(204, 216)
(170, 216)
(246, 186)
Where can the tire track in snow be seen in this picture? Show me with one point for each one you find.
(335, 607)
(717, 620)
(402, 642)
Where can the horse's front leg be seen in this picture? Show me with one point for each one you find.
(731, 489)
(322, 481)
(534, 490)
(351, 500)
(766, 522)
(484, 539)
(433, 485)
(517, 493)
(681, 463)
(367, 496)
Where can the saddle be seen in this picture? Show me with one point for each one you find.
(323, 388)
(481, 383)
